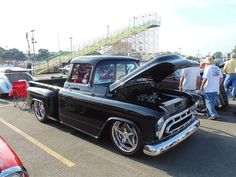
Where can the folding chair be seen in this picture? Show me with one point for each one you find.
(19, 94)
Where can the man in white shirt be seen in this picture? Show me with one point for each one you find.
(189, 79)
(212, 78)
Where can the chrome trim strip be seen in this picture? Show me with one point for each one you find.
(54, 119)
(171, 118)
(175, 122)
(162, 107)
(12, 170)
(157, 149)
(178, 128)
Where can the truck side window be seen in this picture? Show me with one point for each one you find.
(124, 69)
(81, 73)
(105, 73)
(108, 72)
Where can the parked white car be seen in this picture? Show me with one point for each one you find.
(12, 74)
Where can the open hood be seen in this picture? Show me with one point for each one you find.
(157, 69)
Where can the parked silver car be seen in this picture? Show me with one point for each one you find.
(65, 69)
(12, 74)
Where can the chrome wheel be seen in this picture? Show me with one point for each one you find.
(39, 111)
(201, 107)
(125, 137)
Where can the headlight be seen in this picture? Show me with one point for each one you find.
(196, 103)
(159, 124)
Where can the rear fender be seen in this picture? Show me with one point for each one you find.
(48, 97)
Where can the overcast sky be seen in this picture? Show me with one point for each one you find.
(192, 25)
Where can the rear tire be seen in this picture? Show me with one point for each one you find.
(40, 111)
(125, 138)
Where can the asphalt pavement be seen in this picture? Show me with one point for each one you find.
(55, 150)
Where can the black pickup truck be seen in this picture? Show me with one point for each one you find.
(113, 93)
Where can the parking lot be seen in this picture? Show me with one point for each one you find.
(52, 149)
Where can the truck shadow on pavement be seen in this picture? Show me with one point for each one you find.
(204, 154)
(208, 152)
(228, 114)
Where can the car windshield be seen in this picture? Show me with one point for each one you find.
(18, 76)
(67, 66)
(109, 72)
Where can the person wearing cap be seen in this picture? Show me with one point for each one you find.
(212, 78)
(230, 71)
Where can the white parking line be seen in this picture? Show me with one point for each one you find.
(40, 145)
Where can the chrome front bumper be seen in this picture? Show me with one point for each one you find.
(157, 149)
(21, 171)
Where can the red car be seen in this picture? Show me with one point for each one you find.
(10, 164)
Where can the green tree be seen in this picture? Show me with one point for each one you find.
(234, 50)
(2, 50)
(43, 53)
(166, 53)
(218, 54)
(13, 54)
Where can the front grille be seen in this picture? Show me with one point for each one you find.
(176, 123)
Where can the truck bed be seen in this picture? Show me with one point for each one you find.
(55, 82)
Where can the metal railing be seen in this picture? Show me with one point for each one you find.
(96, 45)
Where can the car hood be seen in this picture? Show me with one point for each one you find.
(14, 69)
(8, 157)
(157, 69)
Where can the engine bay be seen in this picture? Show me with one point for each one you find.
(147, 94)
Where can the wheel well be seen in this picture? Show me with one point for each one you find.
(106, 129)
(32, 102)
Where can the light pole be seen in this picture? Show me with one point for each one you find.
(180, 50)
(33, 42)
(29, 62)
(70, 47)
(108, 35)
(27, 39)
(198, 53)
(135, 32)
(144, 40)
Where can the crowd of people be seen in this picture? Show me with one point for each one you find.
(212, 78)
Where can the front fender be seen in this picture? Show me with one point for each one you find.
(196, 96)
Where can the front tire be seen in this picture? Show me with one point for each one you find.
(40, 111)
(201, 107)
(125, 138)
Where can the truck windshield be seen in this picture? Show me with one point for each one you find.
(109, 72)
